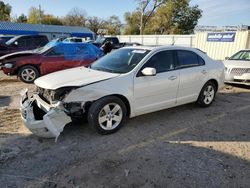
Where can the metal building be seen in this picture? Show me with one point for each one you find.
(51, 31)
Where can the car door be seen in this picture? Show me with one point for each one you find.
(157, 92)
(53, 60)
(193, 74)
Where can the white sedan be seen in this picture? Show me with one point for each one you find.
(237, 68)
(126, 83)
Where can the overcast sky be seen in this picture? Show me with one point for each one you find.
(215, 12)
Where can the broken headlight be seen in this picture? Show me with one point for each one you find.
(59, 94)
(51, 96)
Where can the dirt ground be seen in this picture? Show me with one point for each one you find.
(185, 146)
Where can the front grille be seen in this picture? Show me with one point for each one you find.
(239, 71)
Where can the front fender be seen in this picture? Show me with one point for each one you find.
(86, 94)
(117, 86)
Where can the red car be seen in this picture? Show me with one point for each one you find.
(29, 65)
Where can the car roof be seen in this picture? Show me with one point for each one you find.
(19, 36)
(165, 47)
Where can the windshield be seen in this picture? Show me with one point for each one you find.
(120, 61)
(242, 55)
(99, 40)
(46, 47)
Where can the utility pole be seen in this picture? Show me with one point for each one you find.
(40, 14)
(142, 16)
(143, 7)
(141, 21)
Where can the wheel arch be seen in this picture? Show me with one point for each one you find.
(215, 82)
(122, 97)
(36, 66)
(125, 101)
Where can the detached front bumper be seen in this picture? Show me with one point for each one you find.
(50, 125)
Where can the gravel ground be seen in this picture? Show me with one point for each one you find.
(186, 146)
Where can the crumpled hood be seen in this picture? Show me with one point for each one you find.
(17, 54)
(236, 64)
(79, 76)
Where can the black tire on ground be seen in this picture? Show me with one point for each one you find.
(28, 74)
(207, 94)
(98, 110)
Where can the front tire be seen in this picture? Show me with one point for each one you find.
(207, 94)
(107, 114)
(28, 74)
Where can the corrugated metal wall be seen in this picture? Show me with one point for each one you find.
(216, 50)
(220, 50)
(181, 40)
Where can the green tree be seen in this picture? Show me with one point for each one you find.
(35, 15)
(171, 17)
(175, 17)
(137, 21)
(5, 10)
(22, 19)
(51, 20)
(186, 19)
(132, 23)
(75, 17)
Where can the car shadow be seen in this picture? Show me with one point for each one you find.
(239, 86)
(5, 101)
(77, 161)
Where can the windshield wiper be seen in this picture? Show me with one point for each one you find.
(105, 70)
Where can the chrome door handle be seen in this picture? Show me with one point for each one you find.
(172, 77)
(204, 72)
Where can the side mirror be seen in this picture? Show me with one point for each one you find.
(148, 71)
(226, 58)
(16, 43)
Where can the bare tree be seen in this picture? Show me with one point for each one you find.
(147, 8)
(94, 23)
(75, 17)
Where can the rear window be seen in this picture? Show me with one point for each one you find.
(113, 40)
(188, 59)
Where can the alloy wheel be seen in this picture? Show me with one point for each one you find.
(28, 75)
(110, 116)
(208, 94)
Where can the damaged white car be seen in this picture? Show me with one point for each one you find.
(126, 83)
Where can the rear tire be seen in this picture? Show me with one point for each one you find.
(107, 114)
(28, 74)
(207, 94)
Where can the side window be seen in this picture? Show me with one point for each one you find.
(38, 42)
(21, 42)
(29, 42)
(82, 52)
(56, 51)
(188, 59)
(75, 52)
(162, 61)
(201, 61)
